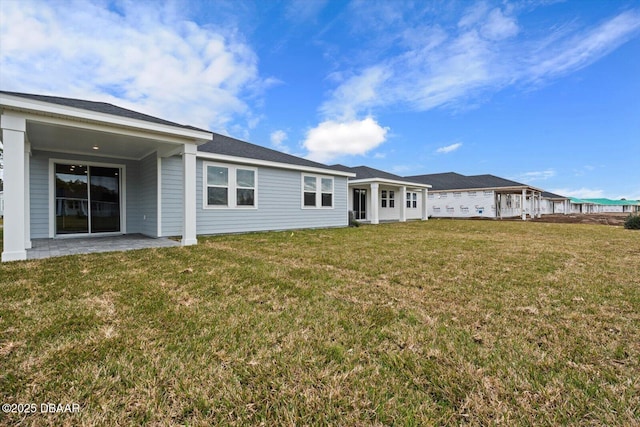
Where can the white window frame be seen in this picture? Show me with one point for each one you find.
(412, 200)
(388, 198)
(318, 191)
(232, 186)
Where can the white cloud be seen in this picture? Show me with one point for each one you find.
(332, 139)
(536, 175)
(277, 140)
(356, 93)
(452, 66)
(143, 56)
(449, 148)
(582, 48)
(304, 10)
(587, 193)
(498, 26)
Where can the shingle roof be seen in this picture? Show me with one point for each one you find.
(455, 181)
(365, 172)
(549, 195)
(607, 202)
(225, 145)
(220, 144)
(98, 107)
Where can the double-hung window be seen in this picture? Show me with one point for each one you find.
(317, 191)
(412, 200)
(245, 187)
(229, 186)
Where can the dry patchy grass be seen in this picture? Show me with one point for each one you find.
(422, 323)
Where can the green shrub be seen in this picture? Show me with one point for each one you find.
(632, 222)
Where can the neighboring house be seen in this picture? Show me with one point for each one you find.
(375, 196)
(458, 196)
(602, 205)
(82, 168)
(555, 204)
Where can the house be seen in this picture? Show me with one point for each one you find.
(376, 195)
(83, 168)
(459, 196)
(603, 205)
(554, 204)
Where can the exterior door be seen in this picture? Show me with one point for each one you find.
(87, 199)
(360, 203)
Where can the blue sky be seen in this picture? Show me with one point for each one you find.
(542, 92)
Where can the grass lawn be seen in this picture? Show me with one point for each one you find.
(422, 323)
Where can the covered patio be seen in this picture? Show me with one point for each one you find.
(85, 169)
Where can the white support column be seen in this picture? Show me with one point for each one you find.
(403, 204)
(27, 197)
(15, 190)
(158, 195)
(522, 205)
(375, 217)
(425, 205)
(567, 206)
(539, 204)
(189, 201)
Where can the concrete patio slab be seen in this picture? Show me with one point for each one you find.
(47, 248)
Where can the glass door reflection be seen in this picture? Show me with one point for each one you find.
(87, 199)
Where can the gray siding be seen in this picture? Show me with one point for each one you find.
(172, 196)
(148, 212)
(279, 206)
(39, 188)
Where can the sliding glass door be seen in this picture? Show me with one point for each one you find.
(87, 199)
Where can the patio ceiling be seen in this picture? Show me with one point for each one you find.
(55, 137)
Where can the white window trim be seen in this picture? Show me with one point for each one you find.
(232, 186)
(412, 199)
(388, 199)
(319, 191)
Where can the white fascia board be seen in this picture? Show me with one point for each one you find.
(519, 189)
(22, 104)
(277, 165)
(389, 181)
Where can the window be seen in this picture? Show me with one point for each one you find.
(387, 199)
(217, 186)
(412, 200)
(488, 193)
(431, 195)
(317, 191)
(245, 187)
(457, 194)
(443, 195)
(472, 194)
(327, 192)
(228, 186)
(310, 191)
